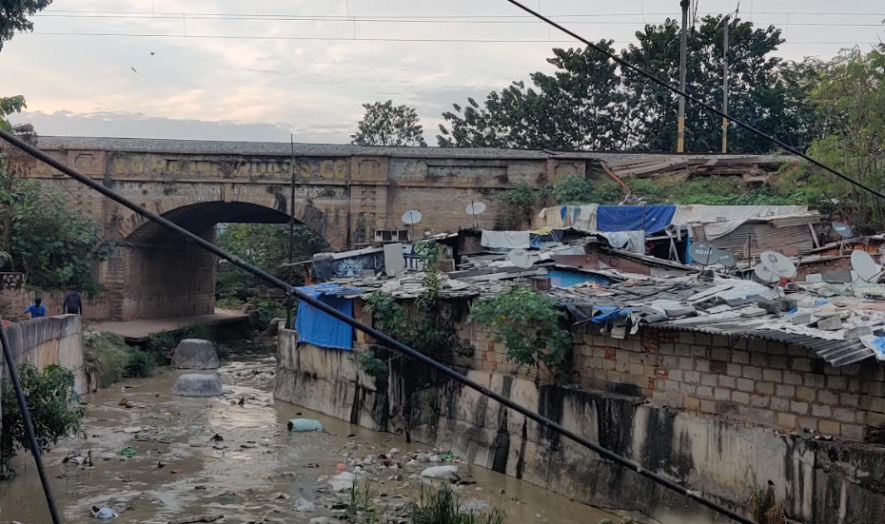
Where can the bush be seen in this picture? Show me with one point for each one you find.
(528, 323)
(140, 364)
(441, 506)
(53, 405)
(262, 310)
(373, 366)
(107, 355)
(231, 302)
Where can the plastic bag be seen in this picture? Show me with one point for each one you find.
(302, 425)
(441, 472)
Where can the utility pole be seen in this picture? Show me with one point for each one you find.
(725, 86)
(289, 302)
(680, 137)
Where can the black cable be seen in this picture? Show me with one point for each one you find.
(783, 145)
(374, 333)
(29, 425)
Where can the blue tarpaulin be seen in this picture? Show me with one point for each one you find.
(652, 219)
(319, 328)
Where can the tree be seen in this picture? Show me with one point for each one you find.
(54, 409)
(590, 103)
(265, 245)
(387, 125)
(850, 91)
(13, 16)
(581, 106)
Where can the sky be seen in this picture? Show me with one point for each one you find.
(258, 71)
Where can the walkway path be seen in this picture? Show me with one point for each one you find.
(136, 330)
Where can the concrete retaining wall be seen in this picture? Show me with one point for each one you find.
(816, 481)
(51, 340)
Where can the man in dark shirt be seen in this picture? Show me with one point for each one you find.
(72, 304)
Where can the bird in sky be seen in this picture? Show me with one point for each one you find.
(133, 69)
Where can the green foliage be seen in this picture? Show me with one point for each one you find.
(48, 238)
(373, 366)
(106, 355)
(572, 189)
(850, 91)
(140, 364)
(262, 310)
(8, 106)
(426, 323)
(360, 508)
(529, 325)
(53, 405)
(14, 16)
(231, 302)
(387, 125)
(589, 103)
(160, 345)
(441, 506)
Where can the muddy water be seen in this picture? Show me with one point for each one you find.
(257, 472)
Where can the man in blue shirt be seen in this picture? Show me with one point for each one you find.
(37, 309)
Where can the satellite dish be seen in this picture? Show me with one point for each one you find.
(865, 266)
(727, 259)
(411, 217)
(475, 208)
(844, 230)
(704, 253)
(521, 258)
(779, 265)
(763, 274)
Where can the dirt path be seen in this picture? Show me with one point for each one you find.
(257, 473)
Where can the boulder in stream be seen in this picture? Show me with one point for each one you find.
(193, 353)
(197, 386)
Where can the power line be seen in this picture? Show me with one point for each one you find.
(370, 39)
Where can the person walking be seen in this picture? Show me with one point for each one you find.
(37, 309)
(73, 304)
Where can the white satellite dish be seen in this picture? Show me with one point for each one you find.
(865, 266)
(704, 253)
(521, 258)
(844, 230)
(475, 208)
(763, 274)
(777, 264)
(411, 217)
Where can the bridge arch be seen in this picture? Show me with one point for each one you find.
(155, 273)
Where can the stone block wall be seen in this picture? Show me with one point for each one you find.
(754, 381)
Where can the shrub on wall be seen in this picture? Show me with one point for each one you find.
(529, 325)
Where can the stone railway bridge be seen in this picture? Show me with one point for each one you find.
(344, 193)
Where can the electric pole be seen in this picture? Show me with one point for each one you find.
(725, 86)
(680, 137)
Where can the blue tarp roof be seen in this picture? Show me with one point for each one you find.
(652, 219)
(319, 328)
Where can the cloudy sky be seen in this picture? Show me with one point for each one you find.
(233, 70)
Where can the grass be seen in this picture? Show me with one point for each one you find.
(441, 506)
(360, 507)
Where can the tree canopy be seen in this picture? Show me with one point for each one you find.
(590, 103)
(14, 16)
(387, 125)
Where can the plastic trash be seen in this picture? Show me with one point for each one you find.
(302, 425)
(448, 455)
(441, 472)
(342, 481)
(340, 466)
(304, 506)
(104, 513)
(127, 452)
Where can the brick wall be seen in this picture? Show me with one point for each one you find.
(756, 382)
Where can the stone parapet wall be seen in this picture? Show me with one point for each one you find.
(13, 303)
(50, 341)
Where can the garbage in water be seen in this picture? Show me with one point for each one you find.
(132, 430)
(448, 455)
(104, 513)
(128, 452)
(200, 518)
(302, 425)
(304, 506)
(441, 472)
(340, 466)
(342, 481)
(474, 505)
